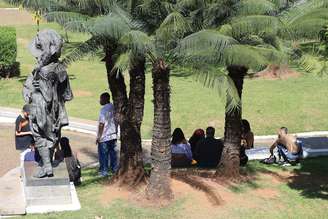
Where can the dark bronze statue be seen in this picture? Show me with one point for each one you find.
(46, 90)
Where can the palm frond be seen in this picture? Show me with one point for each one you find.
(256, 58)
(90, 46)
(289, 16)
(218, 79)
(255, 7)
(173, 26)
(122, 64)
(68, 19)
(109, 26)
(138, 42)
(304, 29)
(255, 24)
(314, 64)
(202, 42)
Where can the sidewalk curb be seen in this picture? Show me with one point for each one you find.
(8, 115)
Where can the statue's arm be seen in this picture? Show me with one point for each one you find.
(65, 87)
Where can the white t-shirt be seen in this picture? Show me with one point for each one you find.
(106, 117)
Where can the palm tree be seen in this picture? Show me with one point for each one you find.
(159, 186)
(305, 26)
(112, 30)
(247, 40)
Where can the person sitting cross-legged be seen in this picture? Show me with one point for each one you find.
(180, 149)
(208, 151)
(288, 147)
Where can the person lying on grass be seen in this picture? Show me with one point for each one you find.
(288, 147)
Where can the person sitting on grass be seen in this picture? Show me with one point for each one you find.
(197, 136)
(288, 147)
(208, 151)
(247, 141)
(180, 149)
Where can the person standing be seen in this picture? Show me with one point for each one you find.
(106, 136)
(23, 134)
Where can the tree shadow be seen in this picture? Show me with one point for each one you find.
(90, 178)
(89, 153)
(311, 179)
(199, 184)
(181, 74)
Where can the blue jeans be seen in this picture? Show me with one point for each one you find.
(288, 156)
(107, 150)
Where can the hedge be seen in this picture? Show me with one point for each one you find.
(8, 52)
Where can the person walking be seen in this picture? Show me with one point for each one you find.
(106, 136)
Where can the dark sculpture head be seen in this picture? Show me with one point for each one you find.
(46, 47)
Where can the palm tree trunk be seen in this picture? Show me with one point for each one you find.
(131, 171)
(232, 134)
(159, 186)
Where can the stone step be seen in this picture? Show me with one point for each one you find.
(48, 195)
(60, 175)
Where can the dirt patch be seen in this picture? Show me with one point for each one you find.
(274, 72)
(266, 193)
(15, 17)
(82, 93)
(204, 197)
(114, 192)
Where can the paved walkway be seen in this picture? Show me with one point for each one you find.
(82, 136)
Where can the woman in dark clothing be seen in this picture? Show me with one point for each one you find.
(198, 135)
(72, 163)
(247, 141)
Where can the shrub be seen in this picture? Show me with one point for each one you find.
(8, 52)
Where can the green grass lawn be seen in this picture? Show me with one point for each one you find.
(303, 195)
(4, 4)
(297, 103)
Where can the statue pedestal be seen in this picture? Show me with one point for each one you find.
(48, 194)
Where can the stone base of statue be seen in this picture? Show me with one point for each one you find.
(48, 194)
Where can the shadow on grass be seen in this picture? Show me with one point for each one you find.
(181, 74)
(90, 178)
(311, 179)
(89, 153)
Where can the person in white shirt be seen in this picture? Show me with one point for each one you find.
(106, 136)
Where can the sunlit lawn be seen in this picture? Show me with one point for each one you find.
(298, 103)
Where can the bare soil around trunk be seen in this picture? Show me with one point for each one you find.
(274, 72)
(203, 197)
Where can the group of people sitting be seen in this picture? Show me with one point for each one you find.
(203, 149)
